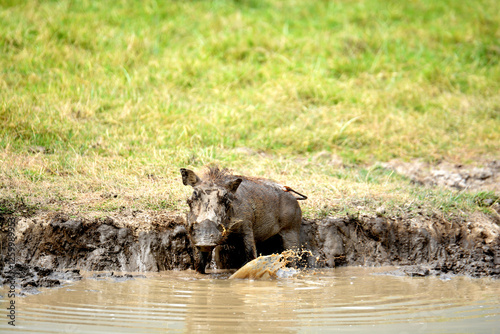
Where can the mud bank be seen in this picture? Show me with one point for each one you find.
(427, 245)
(53, 244)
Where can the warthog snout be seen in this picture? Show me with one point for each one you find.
(206, 235)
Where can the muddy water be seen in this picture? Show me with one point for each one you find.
(338, 300)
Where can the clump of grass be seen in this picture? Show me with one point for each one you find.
(113, 97)
(17, 206)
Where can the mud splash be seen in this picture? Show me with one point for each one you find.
(271, 266)
(263, 267)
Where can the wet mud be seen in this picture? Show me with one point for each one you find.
(435, 245)
(51, 248)
(31, 278)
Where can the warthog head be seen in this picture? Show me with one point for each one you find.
(210, 206)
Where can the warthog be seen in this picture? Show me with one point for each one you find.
(253, 209)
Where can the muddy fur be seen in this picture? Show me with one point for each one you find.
(225, 207)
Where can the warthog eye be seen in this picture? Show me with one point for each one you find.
(226, 200)
(195, 196)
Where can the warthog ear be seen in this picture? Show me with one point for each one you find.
(189, 178)
(233, 185)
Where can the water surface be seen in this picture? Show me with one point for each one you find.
(343, 300)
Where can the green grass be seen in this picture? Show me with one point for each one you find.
(119, 94)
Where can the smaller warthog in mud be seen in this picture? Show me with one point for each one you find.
(224, 205)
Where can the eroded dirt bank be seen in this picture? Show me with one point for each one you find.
(430, 245)
(139, 242)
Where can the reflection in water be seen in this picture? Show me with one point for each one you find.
(337, 300)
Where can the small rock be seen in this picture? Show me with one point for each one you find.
(380, 211)
(245, 151)
(416, 271)
(48, 282)
(29, 283)
(43, 272)
(38, 149)
(327, 158)
(488, 201)
(481, 173)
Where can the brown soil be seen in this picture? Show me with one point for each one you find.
(152, 241)
(458, 246)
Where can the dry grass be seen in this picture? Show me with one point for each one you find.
(98, 186)
(109, 98)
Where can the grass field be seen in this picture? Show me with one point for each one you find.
(101, 102)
